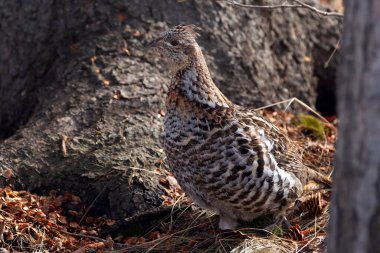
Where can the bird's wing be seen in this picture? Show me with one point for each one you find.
(239, 162)
(286, 152)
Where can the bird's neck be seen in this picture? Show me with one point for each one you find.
(194, 83)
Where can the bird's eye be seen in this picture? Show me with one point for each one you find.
(174, 42)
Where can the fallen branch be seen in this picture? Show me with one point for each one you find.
(298, 4)
(149, 215)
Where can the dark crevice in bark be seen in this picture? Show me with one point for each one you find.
(326, 98)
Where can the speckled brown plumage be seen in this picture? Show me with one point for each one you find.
(225, 157)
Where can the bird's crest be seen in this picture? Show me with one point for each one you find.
(185, 30)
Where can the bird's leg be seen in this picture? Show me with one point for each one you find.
(226, 222)
(278, 222)
(285, 222)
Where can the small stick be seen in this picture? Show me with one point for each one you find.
(299, 4)
(155, 213)
(64, 139)
(323, 13)
(337, 46)
(289, 102)
(270, 7)
(91, 205)
(95, 238)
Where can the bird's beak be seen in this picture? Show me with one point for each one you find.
(154, 43)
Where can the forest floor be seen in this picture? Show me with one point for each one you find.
(63, 223)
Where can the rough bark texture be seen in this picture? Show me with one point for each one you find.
(355, 214)
(62, 63)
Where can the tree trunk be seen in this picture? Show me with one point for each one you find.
(88, 100)
(355, 214)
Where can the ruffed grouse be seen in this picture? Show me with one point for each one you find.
(225, 157)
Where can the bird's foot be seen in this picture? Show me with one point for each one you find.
(278, 222)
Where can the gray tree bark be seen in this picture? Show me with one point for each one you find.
(63, 63)
(355, 211)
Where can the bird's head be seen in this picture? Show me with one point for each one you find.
(177, 45)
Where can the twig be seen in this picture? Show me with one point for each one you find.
(289, 102)
(151, 214)
(64, 139)
(310, 241)
(264, 6)
(80, 235)
(145, 170)
(323, 13)
(89, 237)
(337, 46)
(91, 205)
(299, 4)
(155, 242)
